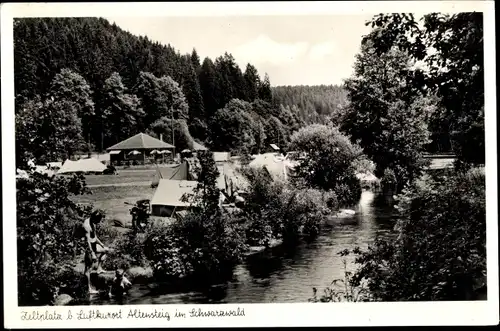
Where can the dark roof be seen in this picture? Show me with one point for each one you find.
(140, 141)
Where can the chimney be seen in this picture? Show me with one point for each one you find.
(161, 136)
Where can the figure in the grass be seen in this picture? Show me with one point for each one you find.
(95, 250)
(120, 284)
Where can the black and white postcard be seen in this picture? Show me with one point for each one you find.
(249, 164)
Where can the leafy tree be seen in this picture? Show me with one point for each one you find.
(276, 132)
(232, 127)
(440, 250)
(455, 71)
(329, 162)
(386, 115)
(160, 97)
(205, 244)
(46, 216)
(68, 86)
(182, 137)
(122, 112)
(47, 130)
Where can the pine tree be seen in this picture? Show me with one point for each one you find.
(208, 81)
(195, 61)
(191, 89)
(252, 83)
(265, 92)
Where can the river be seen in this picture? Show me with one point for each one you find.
(286, 275)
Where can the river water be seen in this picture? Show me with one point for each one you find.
(284, 275)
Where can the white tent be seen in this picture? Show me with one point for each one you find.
(168, 196)
(83, 165)
(275, 165)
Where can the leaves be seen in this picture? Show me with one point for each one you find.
(46, 217)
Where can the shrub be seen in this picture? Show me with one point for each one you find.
(330, 164)
(440, 252)
(206, 243)
(45, 220)
(288, 212)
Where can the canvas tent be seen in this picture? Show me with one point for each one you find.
(172, 172)
(83, 165)
(167, 198)
(222, 157)
(277, 167)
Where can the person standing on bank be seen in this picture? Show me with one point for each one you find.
(95, 250)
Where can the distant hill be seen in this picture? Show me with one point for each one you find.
(316, 104)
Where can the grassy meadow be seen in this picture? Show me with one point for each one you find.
(143, 176)
(112, 199)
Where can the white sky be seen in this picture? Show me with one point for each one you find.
(293, 50)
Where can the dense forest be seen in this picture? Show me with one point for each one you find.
(313, 104)
(108, 84)
(83, 84)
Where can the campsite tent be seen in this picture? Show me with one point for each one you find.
(172, 172)
(83, 165)
(275, 166)
(167, 198)
(222, 157)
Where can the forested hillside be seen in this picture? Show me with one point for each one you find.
(314, 104)
(102, 84)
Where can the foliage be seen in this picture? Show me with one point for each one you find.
(312, 104)
(162, 248)
(122, 112)
(182, 136)
(454, 70)
(440, 251)
(47, 130)
(386, 115)
(288, 212)
(68, 86)
(329, 162)
(232, 129)
(161, 97)
(205, 243)
(45, 46)
(45, 219)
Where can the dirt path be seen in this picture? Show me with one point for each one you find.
(142, 183)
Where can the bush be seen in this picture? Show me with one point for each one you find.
(206, 243)
(440, 253)
(288, 212)
(162, 248)
(46, 217)
(331, 162)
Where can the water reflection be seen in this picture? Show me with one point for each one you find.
(286, 274)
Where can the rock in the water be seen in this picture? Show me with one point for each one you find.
(62, 300)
